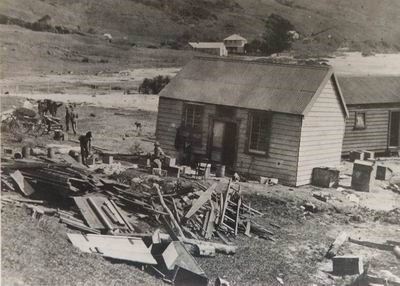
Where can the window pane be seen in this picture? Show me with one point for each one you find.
(193, 116)
(360, 120)
(259, 132)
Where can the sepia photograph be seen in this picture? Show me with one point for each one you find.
(200, 142)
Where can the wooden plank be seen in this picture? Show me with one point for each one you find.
(117, 247)
(225, 202)
(78, 225)
(238, 215)
(102, 217)
(88, 214)
(114, 211)
(121, 215)
(22, 183)
(335, 246)
(168, 210)
(374, 245)
(204, 197)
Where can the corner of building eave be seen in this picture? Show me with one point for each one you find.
(336, 81)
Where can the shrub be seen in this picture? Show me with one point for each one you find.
(276, 36)
(154, 85)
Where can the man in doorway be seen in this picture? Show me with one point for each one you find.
(86, 146)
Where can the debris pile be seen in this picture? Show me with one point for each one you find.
(197, 219)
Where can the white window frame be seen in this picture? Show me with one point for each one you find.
(364, 114)
(250, 133)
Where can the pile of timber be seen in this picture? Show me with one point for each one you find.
(197, 213)
(27, 176)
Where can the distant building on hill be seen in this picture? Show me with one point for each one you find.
(214, 48)
(235, 44)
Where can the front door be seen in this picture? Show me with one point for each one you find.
(223, 143)
(394, 135)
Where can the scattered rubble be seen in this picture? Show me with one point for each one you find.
(199, 219)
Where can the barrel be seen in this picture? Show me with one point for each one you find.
(26, 152)
(50, 152)
(220, 170)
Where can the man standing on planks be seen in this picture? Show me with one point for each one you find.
(86, 146)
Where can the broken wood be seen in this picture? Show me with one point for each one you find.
(335, 246)
(204, 197)
(379, 246)
(22, 183)
(176, 224)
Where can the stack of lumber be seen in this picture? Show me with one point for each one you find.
(198, 213)
(28, 176)
(103, 215)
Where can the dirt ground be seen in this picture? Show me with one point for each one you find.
(37, 252)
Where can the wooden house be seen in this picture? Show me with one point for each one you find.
(258, 119)
(374, 113)
(235, 44)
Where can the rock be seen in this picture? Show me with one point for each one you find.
(310, 207)
(396, 251)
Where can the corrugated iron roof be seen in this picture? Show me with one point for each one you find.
(370, 89)
(235, 37)
(263, 86)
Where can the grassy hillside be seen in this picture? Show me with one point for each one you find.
(324, 25)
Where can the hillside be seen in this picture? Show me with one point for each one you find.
(324, 25)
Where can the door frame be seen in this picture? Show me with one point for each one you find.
(235, 121)
(389, 131)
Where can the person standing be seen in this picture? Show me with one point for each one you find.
(86, 146)
(158, 155)
(67, 117)
(74, 119)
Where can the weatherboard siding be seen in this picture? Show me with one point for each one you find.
(374, 137)
(281, 160)
(168, 120)
(321, 134)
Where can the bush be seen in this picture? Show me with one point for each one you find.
(276, 36)
(254, 47)
(153, 86)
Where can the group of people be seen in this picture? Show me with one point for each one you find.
(85, 141)
(71, 117)
(48, 106)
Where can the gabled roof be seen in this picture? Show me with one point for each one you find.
(253, 85)
(235, 37)
(370, 89)
(207, 45)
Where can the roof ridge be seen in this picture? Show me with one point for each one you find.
(368, 76)
(214, 58)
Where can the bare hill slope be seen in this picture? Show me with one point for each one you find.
(324, 25)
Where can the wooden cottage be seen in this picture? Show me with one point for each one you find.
(235, 44)
(260, 119)
(374, 113)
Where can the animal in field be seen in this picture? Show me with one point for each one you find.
(138, 125)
